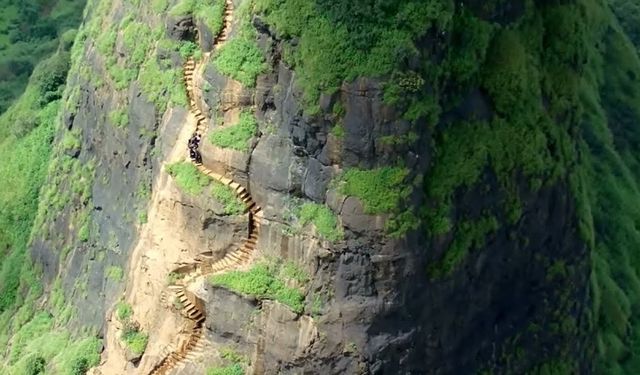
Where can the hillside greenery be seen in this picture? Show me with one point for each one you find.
(268, 279)
(236, 136)
(33, 336)
(193, 182)
(30, 31)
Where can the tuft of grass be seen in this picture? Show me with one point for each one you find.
(135, 339)
(114, 273)
(338, 131)
(232, 355)
(188, 177)
(173, 277)
(236, 136)
(233, 369)
(324, 220)
(119, 118)
(261, 281)
(124, 311)
(225, 195)
(241, 59)
(380, 190)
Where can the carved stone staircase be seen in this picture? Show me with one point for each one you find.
(174, 356)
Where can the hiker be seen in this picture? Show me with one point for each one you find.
(193, 142)
(192, 154)
(198, 159)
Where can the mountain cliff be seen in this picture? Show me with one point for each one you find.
(326, 187)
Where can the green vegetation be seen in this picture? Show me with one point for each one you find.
(236, 362)
(225, 195)
(114, 273)
(158, 81)
(379, 190)
(338, 131)
(240, 58)
(469, 235)
(119, 118)
(40, 343)
(124, 311)
(193, 182)
(137, 39)
(159, 6)
(233, 369)
(188, 177)
(173, 277)
(26, 133)
(332, 35)
(30, 31)
(607, 191)
(132, 336)
(323, 219)
(232, 355)
(265, 280)
(208, 11)
(236, 136)
(134, 339)
(162, 86)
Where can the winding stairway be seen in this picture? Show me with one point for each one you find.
(191, 307)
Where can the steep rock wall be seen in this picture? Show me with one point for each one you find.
(379, 310)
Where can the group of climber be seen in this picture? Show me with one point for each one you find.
(194, 144)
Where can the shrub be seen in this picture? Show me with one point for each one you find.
(225, 195)
(323, 219)
(241, 59)
(35, 365)
(260, 281)
(115, 273)
(231, 355)
(236, 136)
(119, 118)
(380, 189)
(188, 177)
(135, 340)
(161, 86)
(124, 311)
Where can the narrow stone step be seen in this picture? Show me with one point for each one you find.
(234, 257)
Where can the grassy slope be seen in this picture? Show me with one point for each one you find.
(29, 32)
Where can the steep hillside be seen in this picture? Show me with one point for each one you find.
(326, 187)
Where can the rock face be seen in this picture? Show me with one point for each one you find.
(378, 311)
(383, 314)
